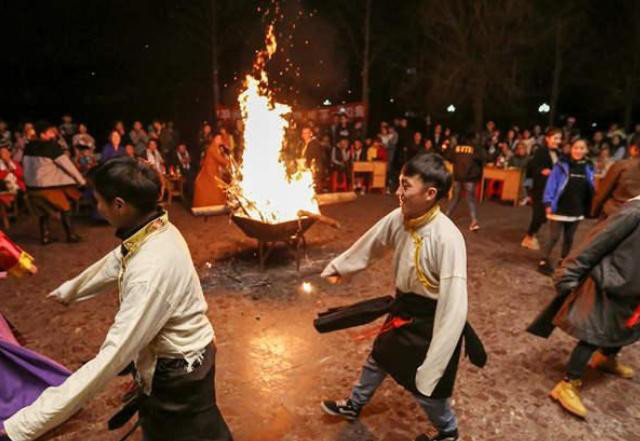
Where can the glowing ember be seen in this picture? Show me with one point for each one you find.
(261, 186)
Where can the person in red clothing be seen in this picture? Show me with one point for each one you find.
(11, 177)
(11, 170)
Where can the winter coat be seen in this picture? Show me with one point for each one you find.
(558, 180)
(621, 183)
(599, 284)
(468, 162)
(541, 160)
(46, 165)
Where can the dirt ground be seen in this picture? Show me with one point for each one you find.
(273, 369)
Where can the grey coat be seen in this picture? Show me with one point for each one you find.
(46, 165)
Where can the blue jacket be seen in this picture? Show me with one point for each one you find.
(558, 180)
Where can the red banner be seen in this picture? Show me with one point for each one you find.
(320, 114)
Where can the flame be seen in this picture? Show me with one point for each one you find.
(263, 188)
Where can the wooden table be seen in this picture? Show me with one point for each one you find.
(175, 187)
(377, 170)
(511, 178)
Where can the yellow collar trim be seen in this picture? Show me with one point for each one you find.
(414, 224)
(134, 242)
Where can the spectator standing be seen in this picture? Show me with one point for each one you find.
(437, 138)
(68, 129)
(314, 156)
(341, 159)
(124, 137)
(539, 170)
(520, 160)
(567, 200)
(139, 138)
(468, 161)
(416, 146)
(207, 191)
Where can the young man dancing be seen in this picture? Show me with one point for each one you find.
(161, 324)
(419, 345)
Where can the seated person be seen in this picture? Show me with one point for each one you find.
(85, 160)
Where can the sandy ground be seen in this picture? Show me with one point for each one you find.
(273, 369)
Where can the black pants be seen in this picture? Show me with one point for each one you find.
(556, 228)
(538, 215)
(580, 358)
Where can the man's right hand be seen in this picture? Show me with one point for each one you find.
(545, 172)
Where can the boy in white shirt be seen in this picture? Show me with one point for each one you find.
(161, 325)
(419, 345)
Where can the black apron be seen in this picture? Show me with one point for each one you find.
(182, 405)
(402, 344)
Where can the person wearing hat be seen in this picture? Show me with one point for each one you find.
(52, 181)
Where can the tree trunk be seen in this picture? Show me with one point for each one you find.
(628, 102)
(365, 65)
(478, 103)
(214, 61)
(557, 70)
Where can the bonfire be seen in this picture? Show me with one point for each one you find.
(261, 187)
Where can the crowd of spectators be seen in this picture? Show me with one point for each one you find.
(332, 148)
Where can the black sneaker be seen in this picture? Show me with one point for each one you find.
(344, 408)
(442, 436)
(544, 267)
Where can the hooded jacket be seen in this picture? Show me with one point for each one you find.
(558, 180)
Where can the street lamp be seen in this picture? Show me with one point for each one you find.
(326, 102)
(451, 108)
(544, 108)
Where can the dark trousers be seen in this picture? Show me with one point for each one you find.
(580, 357)
(556, 228)
(182, 405)
(538, 215)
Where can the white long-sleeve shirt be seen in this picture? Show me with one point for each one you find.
(429, 259)
(162, 314)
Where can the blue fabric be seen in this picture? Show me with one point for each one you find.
(109, 152)
(558, 180)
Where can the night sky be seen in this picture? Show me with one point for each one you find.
(108, 60)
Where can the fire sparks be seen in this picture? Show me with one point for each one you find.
(261, 187)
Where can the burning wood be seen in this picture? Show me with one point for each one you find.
(260, 187)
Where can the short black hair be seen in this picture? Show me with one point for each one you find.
(431, 168)
(42, 126)
(130, 180)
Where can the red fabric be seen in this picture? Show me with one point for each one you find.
(634, 319)
(9, 253)
(19, 172)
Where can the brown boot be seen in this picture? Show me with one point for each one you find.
(567, 393)
(611, 365)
